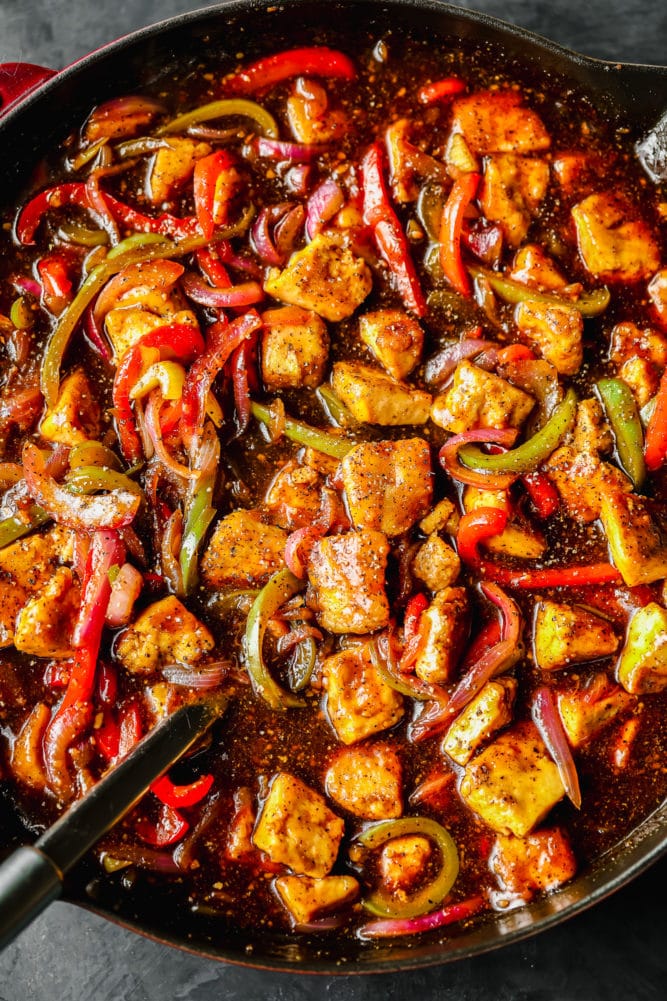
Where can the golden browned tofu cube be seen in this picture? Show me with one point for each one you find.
(445, 628)
(359, 702)
(376, 398)
(642, 668)
(75, 417)
(295, 348)
(296, 828)
(581, 478)
(395, 338)
(513, 783)
(556, 331)
(164, 633)
(388, 484)
(443, 518)
(45, 623)
(512, 192)
(293, 498)
(541, 862)
(347, 577)
(570, 634)
(641, 356)
(172, 166)
(584, 713)
(308, 899)
(591, 431)
(497, 122)
(367, 781)
(635, 544)
(326, 276)
(436, 564)
(127, 325)
(242, 551)
(488, 712)
(403, 861)
(614, 243)
(518, 538)
(479, 399)
(25, 566)
(657, 291)
(533, 266)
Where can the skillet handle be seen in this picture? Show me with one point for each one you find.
(29, 881)
(18, 79)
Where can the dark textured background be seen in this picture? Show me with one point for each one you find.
(615, 951)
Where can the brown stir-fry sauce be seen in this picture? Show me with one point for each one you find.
(346, 397)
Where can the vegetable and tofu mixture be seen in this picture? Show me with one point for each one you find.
(336, 381)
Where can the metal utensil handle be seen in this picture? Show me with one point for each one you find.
(28, 882)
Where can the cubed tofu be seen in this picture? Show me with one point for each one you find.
(636, 546)
(497, 122)
(75, 416)
(519, 538)
(164, 633)
(45, 623)
(295, 348)
(293, 498)
(480, 399)
(367, 782)
(325, 276)
(581, 478)
(359, 702)
(513, 783)
(512, 192)
(347, 578)
(436, 564)
(395, 338)
(641, 357)
(569, 634)
(327, 126)
(592, 433)
(376, 398)
(243, 551)
(615, 244)
(657, 290)
(443, 518)
(586, 711)
(403, 861)
(445, 628)
(459, 157)
(555, 331)
(488, 712)
(308, 899)
(172, 166)
(25, 566)
(539, 863)
(296, 828)
(642, 667)
(388, 484)
(127, 325)
(533, 266)
(642, 377)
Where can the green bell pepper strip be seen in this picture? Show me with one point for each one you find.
(93, 453)
(304, 434)
(282, 586)
(385, 904)
(528, 456)
(91, 479)
(220, 109)
(197, 521)
(335, 408)
(621, 410)
(588, 304)
(302, 664)
(12, 528)
(21, 315)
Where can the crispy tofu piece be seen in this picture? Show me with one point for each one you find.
(513, 783)
(556, 331)
(497, 122)
(45, 623)
(367, 781)
(126, 325)
(25, 566)
(395, 338)
(479, 399)
(635, 544)
(293, 498)
(402, 171)
(295, 348)
(243, 551)
(296, 828)
(443, 518)
(459, 157)
(172, 166)
(512, 192)
(518, 538)
(376, 398)
(488, 712)
(541, 862)
(581, 478)
(308, 899)
(164, 633)
(403, 861)
(615, 244)
(533, 266)
(642, 667)
(584, 711)
(570, 634)
(436, 564)
(388, 484)
(641, 355)
(642, 377)
(657, 291)
(359, 702)
(325, 276)
(75, 417)
(347, 578)
(592, 433)
(327, 125)
(445, 626)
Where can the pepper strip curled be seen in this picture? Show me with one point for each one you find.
(282, 586)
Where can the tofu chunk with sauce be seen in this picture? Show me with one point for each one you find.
(636, 546)
(587, 710)
(376, 398)
(513, 783)
(615, 244)
(347, 579)
(570, 634)
(172, 166)
(489, 711)
(296, 828)
(642, 667)
(295, 348)
(657, 291)
(325, 276)
(479, 399)
(293, 498)
(367, 782)
(75, 417)
(243, 551)
(403, 861)
(519, 538)
(498, 122)
(540, 862)
(445, 628)
(359, 702)
(581, 479)
(395, 338)
(533, 266)
(388, 484)
(436, 564)
(641, 357)
(512, 191)
(45, 623)
(164, 633)
(308, 899)
(555, 331)
(25, 567)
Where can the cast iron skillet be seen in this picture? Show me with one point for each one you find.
(41, 107)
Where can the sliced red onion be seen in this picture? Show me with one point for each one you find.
(260, 234)
(27, 284)
(145, 858)
(488, 436)
(245, 294)
(276, 149)
(94, 334)
(297, 179)
(296, 636)
(200, 678)
(286, 231)
(125, 590)
(425, 922)
(59, 736)
(320, 925)
(547, 720)
(441, 365)
(325, 201)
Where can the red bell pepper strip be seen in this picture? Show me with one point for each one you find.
(413, 613)
(241, 367)
(389, 237)
(107, 550)
(440, 90)
(310, 61)
(30, 216)
(212, 268)
(474, 528)
(655, 449)
(107, 736)
(543, 494)
(164, 224)
(129, 731)
(462, 193)
(56, 284)
(169, 829)
(181, 795)
(214, 185)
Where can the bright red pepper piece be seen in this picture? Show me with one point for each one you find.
(440, 90)
(413, 613)
(31, 215)
(56, 285)
(655, 449)
(169, 828)
(462, 193)
(309, 61)
(214, 185)
(543, 494)
(181, 795)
